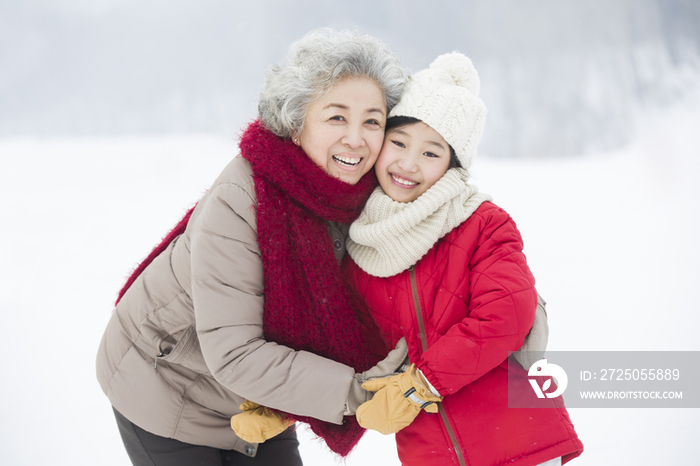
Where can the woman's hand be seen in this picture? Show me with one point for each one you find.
(257, 423)
(393, 364)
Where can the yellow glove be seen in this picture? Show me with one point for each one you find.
(257, 423)
(397, 402)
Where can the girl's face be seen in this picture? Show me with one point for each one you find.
(344, 129)
(412, 159)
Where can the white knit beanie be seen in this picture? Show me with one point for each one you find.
(446, 98)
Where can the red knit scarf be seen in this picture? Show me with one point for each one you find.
(306, 301)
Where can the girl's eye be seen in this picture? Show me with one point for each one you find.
(398, 143)
(430, 154)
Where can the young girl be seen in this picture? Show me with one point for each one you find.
(434, 261)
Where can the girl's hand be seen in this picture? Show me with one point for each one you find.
(397, 402)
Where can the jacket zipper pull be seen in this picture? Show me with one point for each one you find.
(155, 363)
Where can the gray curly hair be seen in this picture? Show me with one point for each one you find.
(313, 65)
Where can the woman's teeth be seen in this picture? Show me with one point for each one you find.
(349, 161)
(403, 181)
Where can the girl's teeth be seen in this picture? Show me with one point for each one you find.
(403, 182)
(347, 160)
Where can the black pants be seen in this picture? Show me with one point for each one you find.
(146, 449)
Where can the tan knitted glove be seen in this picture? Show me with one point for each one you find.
(397, 402)
(257, 423)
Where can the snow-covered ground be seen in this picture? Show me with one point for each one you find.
(612, 239)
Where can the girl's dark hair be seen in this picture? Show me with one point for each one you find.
(400, 121)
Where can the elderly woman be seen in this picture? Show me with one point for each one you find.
(244, 300)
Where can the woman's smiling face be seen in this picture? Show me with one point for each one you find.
(412, 159)
(344, 129)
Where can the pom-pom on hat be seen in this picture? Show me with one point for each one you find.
(446, 97)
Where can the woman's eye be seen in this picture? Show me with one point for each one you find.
(337, 118)
(373, 122)
(398, 143)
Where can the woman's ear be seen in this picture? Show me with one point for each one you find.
(295, 137)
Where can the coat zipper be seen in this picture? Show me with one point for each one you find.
(161, 353)
(424, 345)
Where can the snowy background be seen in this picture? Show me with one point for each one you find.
(116, 116)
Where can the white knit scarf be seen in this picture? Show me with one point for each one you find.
(391, 236)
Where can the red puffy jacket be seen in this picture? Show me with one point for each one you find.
(468, 302)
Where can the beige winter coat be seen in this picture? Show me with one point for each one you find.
(185, 345)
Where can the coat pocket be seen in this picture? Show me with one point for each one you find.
(177, 351)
